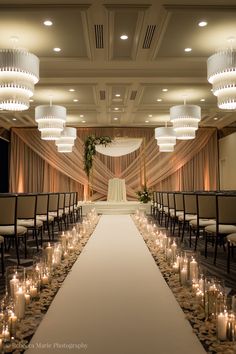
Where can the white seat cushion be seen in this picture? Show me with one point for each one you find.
(29, 222)
(178, 213)
(44, 217)
(54, 213)
(202, 222)
(10, 230)
(223, 229)
(166, 209)
(232, 239)
(188, 217)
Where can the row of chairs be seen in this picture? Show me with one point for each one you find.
(212, 214)
(22, 215)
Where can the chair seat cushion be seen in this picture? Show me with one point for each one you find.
(67, 210)
(232, 239)
(10, 230)
(54, 213)
(71, 208)
(44, 217)
(188, 217)
(177, 214)
(202, 222)
(166, 209)
(223, 229)
(29, 222)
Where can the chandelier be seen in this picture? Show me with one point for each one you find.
(166, 139)
(51, 120)
(19, 72)
(185, 119)
(66, 141)
(221, 73)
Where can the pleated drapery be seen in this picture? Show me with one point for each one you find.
(36, 166)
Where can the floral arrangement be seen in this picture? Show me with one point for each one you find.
(144, 196)
(90, 150)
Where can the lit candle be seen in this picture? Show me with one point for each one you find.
(65, 255)
(5, 333)
(13, 286)
(20, 303)
(201, 284)
(71, 248)
(169, 255)
(44, 279)
(184, 276)
(230, 331)
(33, 291)
(175, 267)
(27, 298)
(1, 345)
(222, 325)
(193, 270)
(63, 240)
(12, 324)
(73, 232)
(173, 248)
(49, 254)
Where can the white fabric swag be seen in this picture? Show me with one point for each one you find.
(120, 147)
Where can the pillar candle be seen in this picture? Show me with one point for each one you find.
(5, 334)
(175, 267)
(63, 240)
(27, 299)
(222, 320)
(44, 279)
(169, 255)
(193, 270)
(20, 303)
(12, 322)
(201, 284)
(73, 232)
(183, 276)
(13, 285)
(173, 248)
(33, 291)
(49, 254)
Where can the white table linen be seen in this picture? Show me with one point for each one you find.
(116, 190)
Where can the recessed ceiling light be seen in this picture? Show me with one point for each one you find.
(75, 100)
(31, 100)
(202, 99)
(146, 121)
(48, 23)
(81, 116)
(72, 90)
(150, 115)
(83, 121)
(215, 118)
(116, 109)
(159, 99)
(57, 49)
(124, 37)
(13, 118)
(164, 89)
(202, 23)
(211, 90)
(187, 49)
(115, 118)
(117, 95)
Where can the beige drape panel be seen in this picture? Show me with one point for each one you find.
(37, 166)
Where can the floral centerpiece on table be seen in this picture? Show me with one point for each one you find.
(144, 196)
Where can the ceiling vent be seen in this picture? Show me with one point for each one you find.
(102, 95)
(149, 36)
(133, 95)
(98, 30)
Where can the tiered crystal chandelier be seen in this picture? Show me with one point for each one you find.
(51, 120)
(185, 119)
(221, 73)
(19, 72)
(166, 139)
(66, 141)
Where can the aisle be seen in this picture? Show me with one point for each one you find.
(115, 301)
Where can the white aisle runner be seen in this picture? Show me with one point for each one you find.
(115, 301)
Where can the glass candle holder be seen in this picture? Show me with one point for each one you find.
(15, 275)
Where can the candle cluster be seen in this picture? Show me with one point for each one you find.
(24, 285)
(209, 292)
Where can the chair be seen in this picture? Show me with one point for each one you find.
(2, 254)
(189, 212)
(225, 221)
(178, 211)
(26, 216)
(8, 223)
(53, 209)
(231, 244)
(67, 208)
(42, 213)
(206, 214)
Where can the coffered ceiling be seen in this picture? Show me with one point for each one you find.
(103, 80)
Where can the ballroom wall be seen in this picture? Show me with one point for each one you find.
(227, 162)
(4, 168)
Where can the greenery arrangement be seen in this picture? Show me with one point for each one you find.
(144, 196)
(90, 150)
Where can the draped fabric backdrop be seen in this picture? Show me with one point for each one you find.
(36, 166)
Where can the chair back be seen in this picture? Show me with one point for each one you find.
(42, 204)
(53, 203)
(179, 202)
(75, 198)
(8, 209)
(226, 209)
(165, 199)
(61, 201)
(26, 206)
(190, 203)
(67, 200)
(206, 206)
(171, 200)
